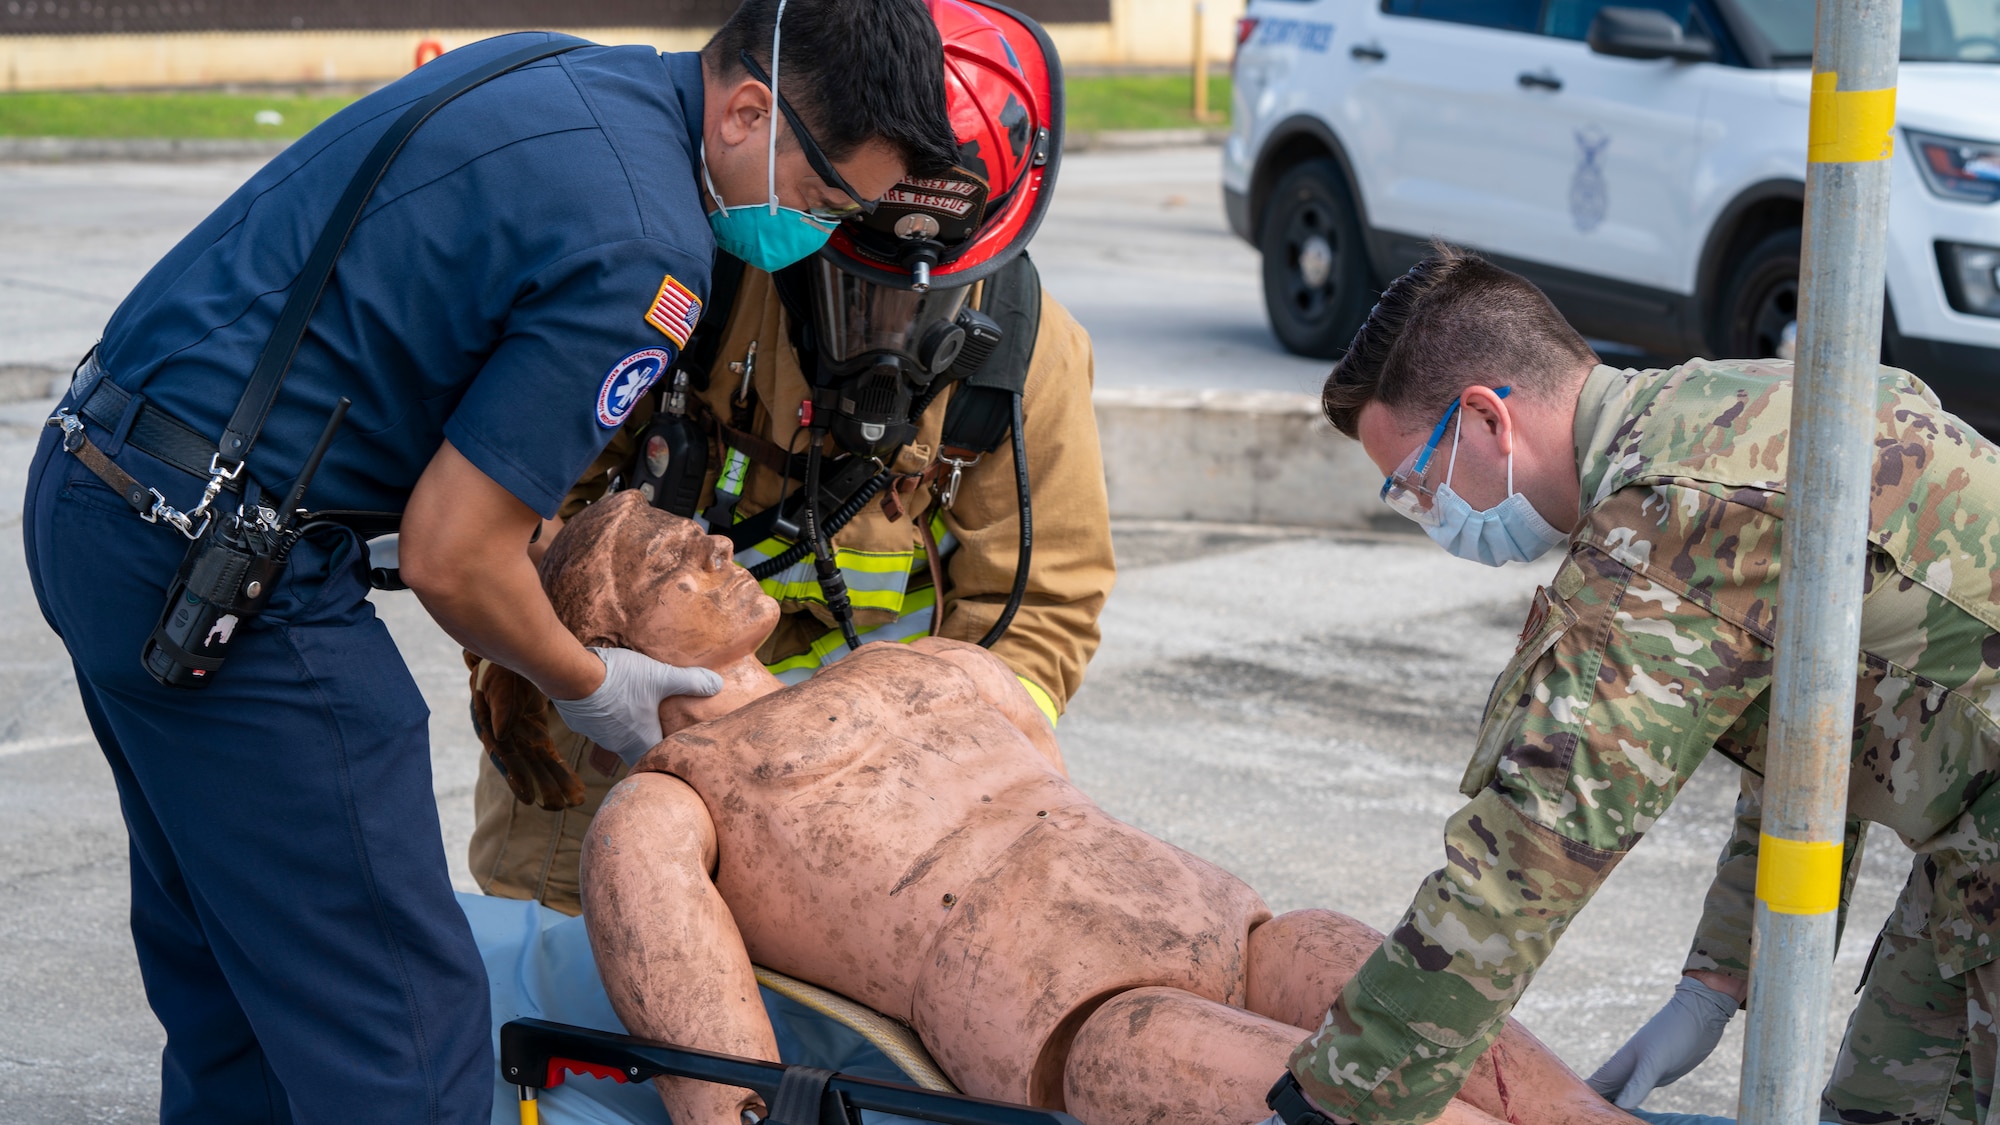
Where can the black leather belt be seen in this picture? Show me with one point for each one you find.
(153, 432)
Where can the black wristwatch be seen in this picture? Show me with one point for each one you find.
(1294, 1108)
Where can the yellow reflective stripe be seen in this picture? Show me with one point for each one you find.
(875, 579)
(831, 647)
(1041, 699)
(1849, 126)
(1798, 876)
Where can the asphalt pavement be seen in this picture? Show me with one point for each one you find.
(1294, 706)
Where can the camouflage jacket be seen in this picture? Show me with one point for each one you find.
(1652, 647)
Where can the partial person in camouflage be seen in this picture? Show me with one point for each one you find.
(1651, 647)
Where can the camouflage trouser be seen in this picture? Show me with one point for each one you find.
(1920, 1049)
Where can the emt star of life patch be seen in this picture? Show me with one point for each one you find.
(627, 380)
(676, 310)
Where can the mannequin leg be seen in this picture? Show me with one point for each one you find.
(1298, 963)
(672, 959)
(1160, 1056)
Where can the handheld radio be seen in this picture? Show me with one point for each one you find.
(672, 459)
(226, 580)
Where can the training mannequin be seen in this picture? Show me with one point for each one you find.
(900, 829)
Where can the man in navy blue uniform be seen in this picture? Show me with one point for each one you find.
(533, 260)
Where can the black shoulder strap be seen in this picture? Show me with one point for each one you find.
(269, 374)
(698, 358)
(982, 410)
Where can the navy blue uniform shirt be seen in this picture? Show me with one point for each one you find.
(529, 265)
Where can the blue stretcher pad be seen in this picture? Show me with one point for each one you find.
(538, 963)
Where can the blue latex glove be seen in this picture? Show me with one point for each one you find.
(1675, 1041)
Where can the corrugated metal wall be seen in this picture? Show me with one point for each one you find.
(124, 17)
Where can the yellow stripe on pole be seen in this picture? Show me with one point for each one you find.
(531, 1111)
(1798, 876)
(1849, 126)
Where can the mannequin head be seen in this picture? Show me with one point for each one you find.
(627, 575)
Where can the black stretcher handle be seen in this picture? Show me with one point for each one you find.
(261, 392)
(538, 1053)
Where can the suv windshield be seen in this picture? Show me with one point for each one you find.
(1933, 30)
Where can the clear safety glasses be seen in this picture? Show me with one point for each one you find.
(1412, 489)
(815, 156)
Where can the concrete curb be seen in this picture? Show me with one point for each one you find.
(25, 383)
(1257, 457)
(36, 149)
(39, 149)
(1128, 139)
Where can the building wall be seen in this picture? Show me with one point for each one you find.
(235, 42)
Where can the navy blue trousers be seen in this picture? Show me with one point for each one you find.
(293, 917)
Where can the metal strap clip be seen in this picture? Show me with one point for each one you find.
(948, 492)
(72, 430)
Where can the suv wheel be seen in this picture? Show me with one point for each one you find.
(1760, 306)
(1316, 284)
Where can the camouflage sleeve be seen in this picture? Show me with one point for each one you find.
(1722, 939)
(1661, 649)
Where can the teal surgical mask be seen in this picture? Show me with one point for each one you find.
(766, 235)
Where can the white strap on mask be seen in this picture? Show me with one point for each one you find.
(771, 155)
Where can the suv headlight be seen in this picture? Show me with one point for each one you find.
(1958, 169)
(1971, 277)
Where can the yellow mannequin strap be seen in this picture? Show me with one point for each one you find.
(1849, 126)
(1798, 876)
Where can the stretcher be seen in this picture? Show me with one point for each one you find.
(563, 1058)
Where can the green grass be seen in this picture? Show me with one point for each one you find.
(1098, 102)
(195, 114)
(1142, 101)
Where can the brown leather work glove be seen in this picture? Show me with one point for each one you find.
(507, 713)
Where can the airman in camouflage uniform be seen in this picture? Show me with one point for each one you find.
(1654, 646)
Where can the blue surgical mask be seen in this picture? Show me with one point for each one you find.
(766, 235)
(1510, 531)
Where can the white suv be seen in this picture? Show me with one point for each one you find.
(1643, 162)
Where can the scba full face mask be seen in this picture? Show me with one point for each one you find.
(882, 350)
(1510, 531)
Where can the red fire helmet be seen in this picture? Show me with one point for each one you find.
(1003, 89)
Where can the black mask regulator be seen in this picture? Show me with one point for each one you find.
(885, 353)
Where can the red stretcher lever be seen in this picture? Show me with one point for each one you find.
(591, 1070)
(538, 1054)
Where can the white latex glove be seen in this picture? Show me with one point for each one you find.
(623, 714)
(1675, 1041)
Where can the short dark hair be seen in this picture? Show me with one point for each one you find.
(1453, 321)
(855, 70)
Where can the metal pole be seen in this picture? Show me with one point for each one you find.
(1200, 61)
(1826, 525)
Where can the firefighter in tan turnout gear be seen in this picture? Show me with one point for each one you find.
(912, 345)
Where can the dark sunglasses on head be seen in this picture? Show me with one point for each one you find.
(815, 157)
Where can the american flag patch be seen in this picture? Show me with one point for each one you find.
(676, 310)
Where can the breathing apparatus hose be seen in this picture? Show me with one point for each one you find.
(832, 583)
(1027, 533)
(834, 523)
